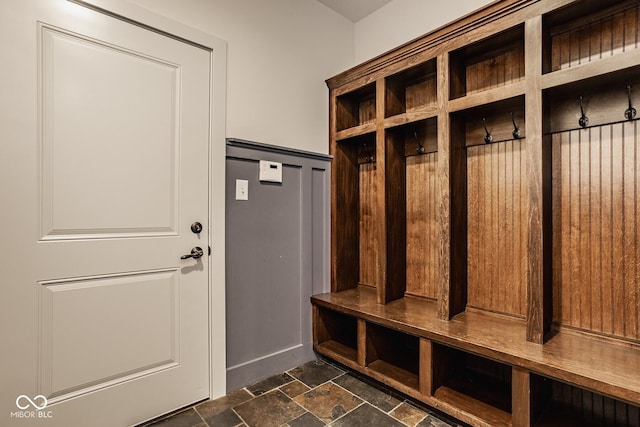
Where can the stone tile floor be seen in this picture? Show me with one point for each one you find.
(316, 393)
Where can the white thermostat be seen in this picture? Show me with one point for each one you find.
(270, 171)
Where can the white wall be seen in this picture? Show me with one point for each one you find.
(403, 20)
(280, 52)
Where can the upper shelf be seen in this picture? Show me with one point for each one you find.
(352, 132)
(586, 40)
(413, 90)
(405, 118)
(357, 108)
(588, 32)
(492, 63)
(626, 63)
(489, 96)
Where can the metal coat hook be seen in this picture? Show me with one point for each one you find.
(630, 113)
(583, 121)
(516, 131)
(488, 139)
(420, 149)
(368, 159)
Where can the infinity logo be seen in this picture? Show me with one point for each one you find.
(31, 402)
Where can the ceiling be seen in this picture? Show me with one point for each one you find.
(354, 10)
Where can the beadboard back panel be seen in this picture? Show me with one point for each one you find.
(577, 43)
(596, 235)
(422, 225)
(368, 236)
(496, 240)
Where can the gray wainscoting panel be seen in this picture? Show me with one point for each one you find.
(277, 252)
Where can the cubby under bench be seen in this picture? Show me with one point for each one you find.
(478, 367)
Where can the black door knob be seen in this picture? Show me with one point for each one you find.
(196, 253)
(196, 227)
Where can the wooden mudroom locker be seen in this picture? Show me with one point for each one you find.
(485, 222)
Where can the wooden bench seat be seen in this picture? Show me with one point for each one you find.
(610, 368)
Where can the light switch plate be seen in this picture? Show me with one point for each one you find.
(242, 189)
(270, 171)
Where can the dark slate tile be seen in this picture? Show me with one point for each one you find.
(408, 414)
(271, 409)
(294, 388)
(367, 416)
(226, 418)
(315, 373)
(270, 383)
(376, 397)
(219, 410)
(328, 402)
(188, 418)
(306, 420)
(432, 421)
(437, 419)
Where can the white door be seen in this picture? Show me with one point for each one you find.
(103, 169)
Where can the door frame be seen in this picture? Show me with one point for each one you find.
(137, 15)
